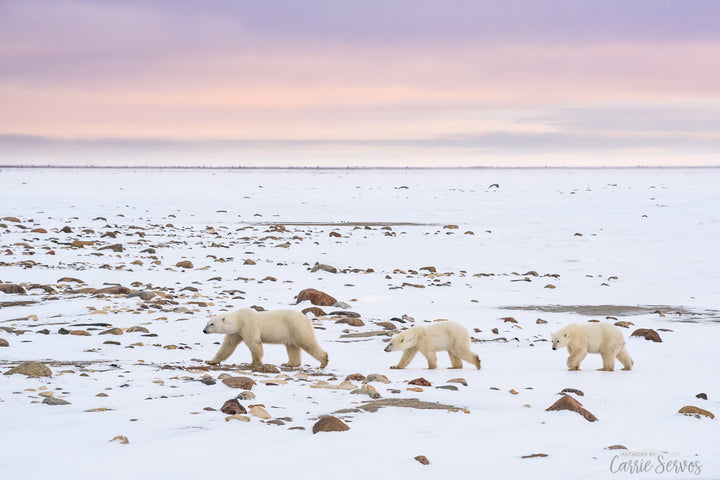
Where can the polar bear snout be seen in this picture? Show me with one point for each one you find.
(205, 330)
(388, 347)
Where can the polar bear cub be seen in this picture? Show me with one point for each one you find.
(441, 336)
(603, 338)
(287, 327)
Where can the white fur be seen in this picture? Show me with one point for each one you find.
(287, 327)
(446, 336)
(595, 337)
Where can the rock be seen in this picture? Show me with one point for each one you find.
(323, 267)
(265, 368)
(121, 438)
(31, 369)
(368, 390)
(144, 295)
(374, 405)
(207, 381)
(353, 322)
(459, 380)
(701, 395)
(429, 269)
(55, 401)
(535, 455)
(81, 244)
(318, 312)
(355, 377)
(260, 412)
(69, 280)
(623, 324)
(647, 334)
(376, 377)
(242, 418)
(79, 333)
(422, 459)
(567, 402)
(11, 288)
(184, 264)
(4, 343)
(66, 229)
(316, 297)
(112, 331)
(448, 387)
(695, 412)
(387, 325)
(232, 407)
(137, 329)
(247, 395)
(342, 305)
(540, 321)
(509, 320)
(249, 262)
(616, 447)
(577, 392)
(11, 219)
(117, 248)
(114, 290)
(245, 383)
(343, 313)
(420, 381)
(329, 424)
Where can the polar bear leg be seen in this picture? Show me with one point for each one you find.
(256, 352)
(576, 357)
(294, 356)
(431, 358)
(466, 354)
(455, 362)
(625, 359)
(317, 353)
(406, 358)
(226, 349)
(608, 361)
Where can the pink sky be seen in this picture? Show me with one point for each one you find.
(409, 83)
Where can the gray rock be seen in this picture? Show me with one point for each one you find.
(31, 369)
(55, 401)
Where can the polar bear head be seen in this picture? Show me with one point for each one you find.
(220, 324)
(403, 340)
(560, 339)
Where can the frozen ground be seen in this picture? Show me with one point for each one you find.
(614, 243)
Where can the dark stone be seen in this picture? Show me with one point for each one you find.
(330, 424)
(232, 407)
(647, 334)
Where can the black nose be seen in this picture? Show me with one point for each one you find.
(205, 331)
(553, 345)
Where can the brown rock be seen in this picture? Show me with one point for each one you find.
(330, 424)
(387, 325)
(355, 377)
(11, 219)
(232, 407)
(509, 320)
(422, 459)
(31, 369)
(79, 333)
(81, 244)
(535, 455)
(566, 402)
(623, 324)
(540, 321)
(616, 447)
(114, 290)
(245, 383)
(577, 392)
(4, 343)
(184, 264)
(353, 322)
(69, 280)
(111, 331)
(11, 288)
(317, 311)
(695, 412)
(316, 297)
(38, 230)
(117, 248)
(647, 334)
(420, 381)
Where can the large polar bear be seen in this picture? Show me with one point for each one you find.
(595, 337)
(287, 327)
(441, 336)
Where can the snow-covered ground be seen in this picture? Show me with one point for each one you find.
(641, 246)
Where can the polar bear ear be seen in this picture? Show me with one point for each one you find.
(565, 335)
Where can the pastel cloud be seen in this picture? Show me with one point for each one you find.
(363, 73)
